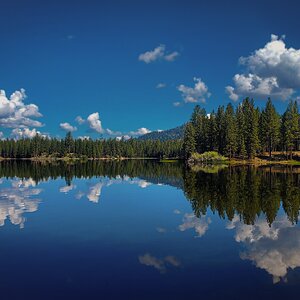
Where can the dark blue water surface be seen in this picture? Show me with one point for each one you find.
(146, 230)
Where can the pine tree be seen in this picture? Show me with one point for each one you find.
(290, 127)
(220, 121)
(241, 147)
(189, 142)
(251, 117)
(230, 132)
(270, 127)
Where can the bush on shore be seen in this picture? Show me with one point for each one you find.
(207, 157)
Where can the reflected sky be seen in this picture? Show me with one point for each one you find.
(127, 232)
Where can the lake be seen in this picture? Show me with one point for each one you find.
(148, 230)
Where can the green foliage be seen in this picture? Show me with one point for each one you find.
(290, 128)
(244, 132)
(189, 140)
(87, 148)
(207, 157)
(269, 128)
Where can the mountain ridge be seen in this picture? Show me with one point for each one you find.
(165, 135)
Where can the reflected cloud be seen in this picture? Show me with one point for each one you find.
(159, 264)
(67, 188)
(24, 183)
(17, 200)
(190, 221)
(161, 230)
(94, 192)
(274, 248)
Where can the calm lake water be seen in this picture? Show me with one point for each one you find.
(148, 230)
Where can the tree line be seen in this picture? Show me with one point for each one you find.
(244, 132)
(99, 148)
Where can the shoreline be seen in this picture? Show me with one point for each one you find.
(256, 162)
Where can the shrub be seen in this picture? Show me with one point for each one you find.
(207, 157)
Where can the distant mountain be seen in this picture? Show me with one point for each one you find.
(164, 135)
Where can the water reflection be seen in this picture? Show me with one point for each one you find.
(94, 191)
(17, 200)
(160, 264)
(274, 248)
(250, 200)
(190, 221)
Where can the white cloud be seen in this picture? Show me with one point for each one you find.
(111, 132)
(172, 56)
(79, 120)
(273, 70)
(199, 225)
(158, 53)
(140, 131)
(14, 113)
(95, 123)
(85, 137)
(67, 127)
(25, 133)
(1, 135)
(161, 85)
(198, 93)
(124, 137)
(177, 103)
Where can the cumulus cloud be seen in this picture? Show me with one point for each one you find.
(159, 264)
(67, 127)
(274, 248)
(94, 122)
(198, 93)
(273, 70)
(19, 133)
(140, 131)
(14, 113)
(79, 120)
(159, 53)
(199, 225)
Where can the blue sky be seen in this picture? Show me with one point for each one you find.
(80, 58)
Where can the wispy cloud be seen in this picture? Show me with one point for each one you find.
(158, 53)
(161, 85)
(159, 264)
